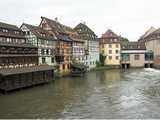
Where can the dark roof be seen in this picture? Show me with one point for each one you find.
(109, 34)
(9, 26)
(13, 31)
(55, 25)
(134, 46)
(68, 29)
(109, 37)
(109, 40)
(152, 36)
(147, 33)
(39, 32)
(85, 32)
(13, 71)
(64, 37)
(58, 29)
(156, 32)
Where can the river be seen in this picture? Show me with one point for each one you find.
(133, 93)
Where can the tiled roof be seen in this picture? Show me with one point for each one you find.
(156, 31)
(109, 37)
(12, 31)
(39, 32)
(55, 25)
(85, 32)
(72, 33)
(147, 33)
(109, 34)
(134, 46)
(58, 29)
(9, 26)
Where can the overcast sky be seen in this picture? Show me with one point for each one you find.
(129, 18)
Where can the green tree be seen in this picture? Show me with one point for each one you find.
(124, 41)
(102, 59)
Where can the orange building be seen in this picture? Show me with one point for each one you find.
(63, 50)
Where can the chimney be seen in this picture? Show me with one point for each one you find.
(56, 19)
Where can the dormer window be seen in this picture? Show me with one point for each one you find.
(43, 34)
(44, 25)
(5, 30)
(27, 32)
(17, 32)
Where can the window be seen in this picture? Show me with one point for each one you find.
(5, 30)
(47, 52)
(68, 66)
(44, 25)
(136, 57)
(63, 66)
(86, 57)
(117, 51)
(110, 46)
(149, 56)
(43, 60)
(42, 51)
(52, 59)
(117, 45)
(110, 51)
(27, 32)
(117, 57)
(110, 57)
(125, 57)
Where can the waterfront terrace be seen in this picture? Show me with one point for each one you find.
(19, 61)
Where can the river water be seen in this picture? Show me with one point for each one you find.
(102, 94)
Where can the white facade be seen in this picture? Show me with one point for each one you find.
(93, 53)
(78, 53)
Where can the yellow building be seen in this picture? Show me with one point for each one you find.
(111, 48)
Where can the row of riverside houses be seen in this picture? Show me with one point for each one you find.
(29, 54)
(85, 45)
(59, 44)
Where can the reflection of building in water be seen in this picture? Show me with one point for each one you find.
(113, 75)
(110, 76)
